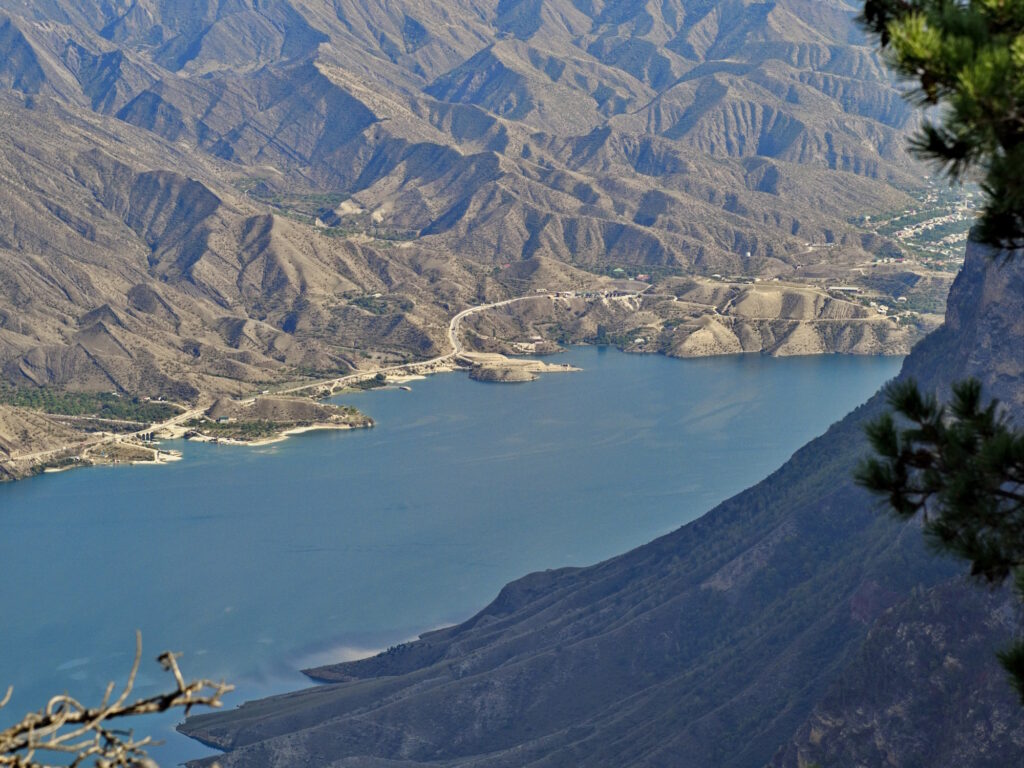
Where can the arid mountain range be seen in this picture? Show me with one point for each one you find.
(212, 196)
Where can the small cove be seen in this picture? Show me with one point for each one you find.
(257, 561)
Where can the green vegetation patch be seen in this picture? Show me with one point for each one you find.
(103, 405)
(622, 340)
(380, 380)
(376, 305)
(376, 232)
(382, 304)
(309, 207)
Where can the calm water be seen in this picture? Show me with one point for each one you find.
(255, 561)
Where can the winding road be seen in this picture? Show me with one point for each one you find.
(457, 350)
(453, 341)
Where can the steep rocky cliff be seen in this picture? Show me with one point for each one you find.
(713, 645)
(925, 688)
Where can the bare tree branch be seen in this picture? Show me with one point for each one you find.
(66, 727)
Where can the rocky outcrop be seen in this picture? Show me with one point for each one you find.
(925, 688)
(499, 374)
(497, 368)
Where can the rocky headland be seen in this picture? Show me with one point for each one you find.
(498, 368)
(265, 419)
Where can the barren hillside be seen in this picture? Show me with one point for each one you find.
(224, 198)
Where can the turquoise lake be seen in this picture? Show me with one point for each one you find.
(257, 561)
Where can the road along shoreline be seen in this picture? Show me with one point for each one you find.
(140, 447)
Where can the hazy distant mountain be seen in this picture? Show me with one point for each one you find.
(163, 163)
(794, 624)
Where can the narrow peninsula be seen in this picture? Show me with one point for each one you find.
(269, 419)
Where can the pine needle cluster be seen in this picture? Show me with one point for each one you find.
(965, 59)
(961, 467)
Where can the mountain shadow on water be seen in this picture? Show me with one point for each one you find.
(793, 623)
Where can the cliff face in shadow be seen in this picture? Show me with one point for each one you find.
(925, 688)
(754, 627)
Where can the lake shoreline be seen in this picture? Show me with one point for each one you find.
(280, 437)
(482, 367)
(251, 562)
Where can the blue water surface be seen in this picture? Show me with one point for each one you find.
(257, 561)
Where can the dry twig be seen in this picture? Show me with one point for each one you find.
(67, 727)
